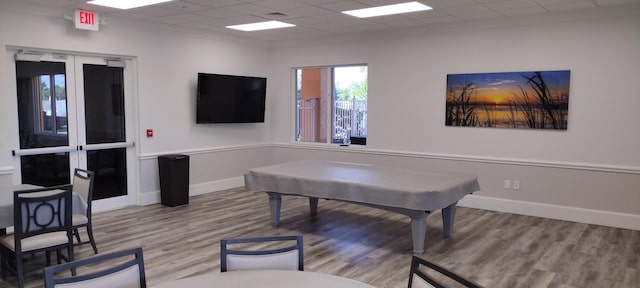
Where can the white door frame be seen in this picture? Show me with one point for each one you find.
(76, 128)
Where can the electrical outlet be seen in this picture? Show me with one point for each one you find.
(507, 184)
(516, 184)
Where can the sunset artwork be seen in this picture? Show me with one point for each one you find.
(527, 100)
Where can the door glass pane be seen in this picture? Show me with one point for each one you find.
(110, 168)
(45, 169)
(42, 104)
(104, 104)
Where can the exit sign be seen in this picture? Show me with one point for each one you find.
(86, 20)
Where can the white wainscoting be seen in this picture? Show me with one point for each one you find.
(218, 169)
(567, 213)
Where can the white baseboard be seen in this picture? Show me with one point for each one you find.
(581, 215)
(149, 198)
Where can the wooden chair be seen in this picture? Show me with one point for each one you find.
(283, 256)
(122, 269)
(42, 222)
(83, 185)
(424, 273)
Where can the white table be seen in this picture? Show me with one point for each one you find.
(412, 193)
(265, 279)
(6, 204)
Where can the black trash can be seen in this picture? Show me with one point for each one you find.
(174, 179)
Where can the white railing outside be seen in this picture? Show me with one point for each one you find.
(349, 120)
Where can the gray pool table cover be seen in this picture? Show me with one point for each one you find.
(363, 183)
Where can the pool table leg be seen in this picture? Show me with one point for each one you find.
(418, 231)
(313, 205)
(448, 215)
(275, 202)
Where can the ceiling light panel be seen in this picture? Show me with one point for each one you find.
(126, 4)
(388, 10)
(260, 26)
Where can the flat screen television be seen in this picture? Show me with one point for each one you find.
(230, 98)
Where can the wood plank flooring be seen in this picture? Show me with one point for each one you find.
(373, 246)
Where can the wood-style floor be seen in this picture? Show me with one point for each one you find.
(373, 246)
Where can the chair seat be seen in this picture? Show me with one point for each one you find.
(36, 242)
(79, 219)
(420, 283)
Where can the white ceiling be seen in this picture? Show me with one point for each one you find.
(318, 18)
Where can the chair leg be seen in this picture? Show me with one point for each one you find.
(93, 242)
(20, 271)
(75, 231)
(48, 256)
(71, 258)
(4, 263)
(58, 256)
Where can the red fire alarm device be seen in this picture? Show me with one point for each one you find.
(149, 132)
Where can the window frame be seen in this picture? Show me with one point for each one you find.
(329, 92)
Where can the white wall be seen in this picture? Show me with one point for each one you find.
(590, 171)
(167, 64)
(407, 79)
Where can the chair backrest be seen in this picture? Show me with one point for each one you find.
(83, 185)
(286, 254)
(124, 273)
(42, 210)
(425, 274)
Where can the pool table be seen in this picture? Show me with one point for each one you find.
(409, 192)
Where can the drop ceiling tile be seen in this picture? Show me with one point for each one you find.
(615, 2)
(183, 6)
(245, 19)
(93, 8)
(551, 2)
(439, 4)
(439, 20)
(153, 10)
(214, 13)
(179, 18)
(570, 6)
(523, 11)
(249, 9)
(213, 4)
(279, 4)
(510, 4)
(305, 11)
(317, 2)
(471, 12)
(344, 5)
(383, 2)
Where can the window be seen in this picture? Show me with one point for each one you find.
(331, 104)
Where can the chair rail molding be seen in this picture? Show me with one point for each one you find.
(467, 158)
(6, 170)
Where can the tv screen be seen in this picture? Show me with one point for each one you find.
(230, 98)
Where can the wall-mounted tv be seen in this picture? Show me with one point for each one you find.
(230, 98)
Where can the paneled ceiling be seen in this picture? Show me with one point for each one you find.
(320, 18)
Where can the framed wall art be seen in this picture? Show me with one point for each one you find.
(524, 100)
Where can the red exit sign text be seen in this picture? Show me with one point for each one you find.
(86, 20)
